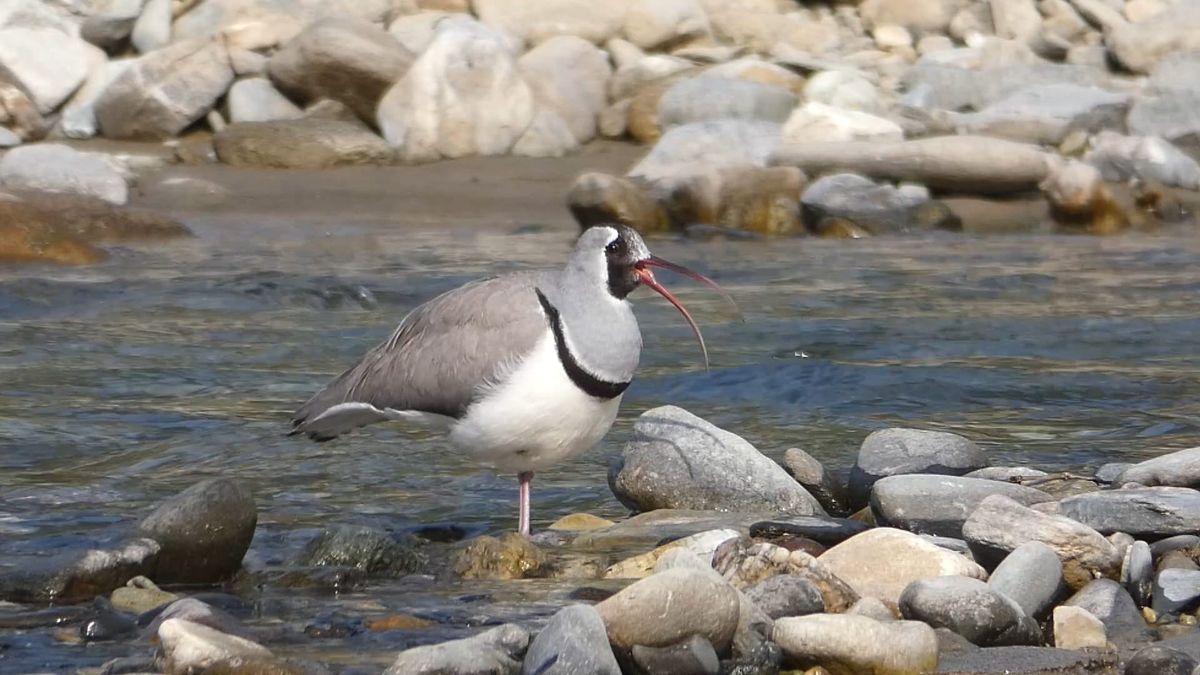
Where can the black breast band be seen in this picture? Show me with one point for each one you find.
(590, 384)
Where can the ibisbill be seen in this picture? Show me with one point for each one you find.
(521, 371)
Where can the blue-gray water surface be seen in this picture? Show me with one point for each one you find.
(123, 383)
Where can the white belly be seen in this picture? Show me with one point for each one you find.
(534, 418)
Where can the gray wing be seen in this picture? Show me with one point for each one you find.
(436, 360)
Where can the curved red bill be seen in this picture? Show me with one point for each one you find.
(642, 267)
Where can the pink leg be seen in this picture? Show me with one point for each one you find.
(523, 521)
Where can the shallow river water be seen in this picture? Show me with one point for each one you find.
(124, 383)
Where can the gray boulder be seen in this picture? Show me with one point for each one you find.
(1109, 602)
(949, 87)
(153, 27)
(58, 168)
(497, 651)
(1032, 577)
(164, 92)
(110, 23)
(676, 460)
(1160, 660)
(891, 452)
(1145, 158)
(79, 114)
(75, 577)
(574, 641)
(1046, 114)
(876, 208)
(694, 656)
(311, 143)
(710, 144)
(702, 98)
(1179, 469)
(1176, 590)
(786, 595)
(1145, 512)
(255, 99)
(344, 59)
(970, 608)
(204, 532)
(821, 484)
(940, 505)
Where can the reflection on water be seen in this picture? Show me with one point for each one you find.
(124, 383)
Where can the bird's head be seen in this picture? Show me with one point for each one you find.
(627, 263)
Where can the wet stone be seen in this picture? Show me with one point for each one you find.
(204, 532)
(198, 612)
(106, 623)
(191, 647)
(42, 618)
(786, 595)
(367, 548)
(694, 656)
(397, 622)
(1007, 474)
(509, 557)
(891, 452)
(1159, 660)
(1031, 576)
(970, 608)
(80, 576)
(574, 641)
(702, 544)
(497, 651)
(827, 531)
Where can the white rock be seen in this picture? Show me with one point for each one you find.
(629, 79)
(257, 100)
(703, 98)
(262, 24)
(58, 168)
(849, 643)
(709, 144)
(843, 89)
(652, 24)
(246, 63)
(1121, 158)
(1140, 10)
(1077, 628)
(569, 76)
(8, 139)
(535, 21)
(153, 28)
(463, 96)
(192, 647)
(623, 52)
(79, 115)
(48, 81)
(547, 136)
(814, 122)
(416, 31)
(1015, 19)
(890, 36)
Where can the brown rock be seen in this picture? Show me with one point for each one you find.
(397, 622)
(643, 110)
(745, 566)
(597, 198)
(349, 60)
(1079, 199)
(510, 557)
(300, 144)
(19, 114)
(762, 199)
(881, 562)
(580, 522)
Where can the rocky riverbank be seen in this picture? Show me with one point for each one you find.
(767, 116)
(924, 559)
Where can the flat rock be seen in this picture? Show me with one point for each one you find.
(59, 168)
(535, 21)
(1031, 576)
(786, 595)
(191, 647)
(204, 532)
(999, 525)
(164, 92)
(1029, 661)
(463, 96)
(827, 531)
(1076, 628)
(891, 452)
(701, 98)
(1160, 660)
(1178, 469)
(711, 144)
(569, 76)
(349, 60)
(1141, 46)
(76, 577)
(815, 122)
(311, 143)
(1046, 114)
(574, 641)
(882, 562)
(939, 504)
(1144, 512)
(498, 651)
(651, 528)
(1106, 600)
(1176, 590)
(745, 566)
(970, 608)
(48, 81)
(846, 643)
(873, 207)
(255, 99)
(821, 484)
(669, 606)
(694, 656)
(677, 460)
(970, 164)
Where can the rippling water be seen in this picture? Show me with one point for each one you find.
(123, 383)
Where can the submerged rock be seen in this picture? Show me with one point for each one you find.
(367, 548)
(677, 460)
(139, 595)
(300, 144)
(846, 643)
(574, 641)
(970, 608)
(898, 451)
(497, 651)
(510, 557)
(882, 562)
(669, 606)
(204, 532)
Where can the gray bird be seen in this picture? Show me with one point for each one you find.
(522, 370)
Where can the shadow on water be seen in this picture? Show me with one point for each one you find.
(124, 383)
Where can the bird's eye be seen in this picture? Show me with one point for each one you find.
(616, 245)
